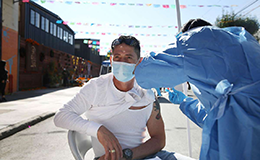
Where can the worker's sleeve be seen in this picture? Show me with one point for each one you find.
(69, 116)
(164, 69)
(194, 110)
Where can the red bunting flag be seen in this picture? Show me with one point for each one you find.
(166, 6)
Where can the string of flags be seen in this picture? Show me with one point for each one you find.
(119, 34)
(106, 46)
(166, 6)
(113, 25)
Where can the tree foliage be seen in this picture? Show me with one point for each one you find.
(251, 24)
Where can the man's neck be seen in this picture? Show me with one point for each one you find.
(123, 86)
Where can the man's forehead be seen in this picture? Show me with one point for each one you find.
(124, 49)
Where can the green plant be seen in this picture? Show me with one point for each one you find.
(251, 24)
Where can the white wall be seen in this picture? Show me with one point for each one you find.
(10, 14)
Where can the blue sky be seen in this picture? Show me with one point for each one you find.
(98, 17)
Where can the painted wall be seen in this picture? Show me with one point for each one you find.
(10, 43)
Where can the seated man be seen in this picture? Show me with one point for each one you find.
(118, 110)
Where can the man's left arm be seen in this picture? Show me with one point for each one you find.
(155, 126)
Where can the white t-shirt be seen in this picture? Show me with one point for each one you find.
(104, 104)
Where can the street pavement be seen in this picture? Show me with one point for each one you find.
(27, 108)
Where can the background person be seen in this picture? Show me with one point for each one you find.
(222, 64)
(3, 80)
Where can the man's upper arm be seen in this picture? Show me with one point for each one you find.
(155, 123)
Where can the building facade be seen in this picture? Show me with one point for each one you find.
(9, 42)
(46, 47)
(38, 49)
(89, 50)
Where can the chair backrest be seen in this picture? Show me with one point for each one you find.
(79, 144)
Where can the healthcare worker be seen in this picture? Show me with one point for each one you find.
(223, 64)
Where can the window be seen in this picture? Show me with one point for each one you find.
(60, 36)
(71, 39)
(37, 20)
(43, 23)
(58, 32)
(51, 28)
(65, 36)
(54, 29)
(32, 19)
(46, 25)
(77, 46)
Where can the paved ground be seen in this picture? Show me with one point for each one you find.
(29, 107)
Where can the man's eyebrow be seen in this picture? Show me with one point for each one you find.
(129, 55)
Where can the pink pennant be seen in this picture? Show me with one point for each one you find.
(79, 23)
(65, 22)
(166, 6)
(95, 3)
(26, 0)
(149, 26)
(201, 5)
(112, 4)
(77, 2)
(183, 6)
(92, 32)
(103, 33)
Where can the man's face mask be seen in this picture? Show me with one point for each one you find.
(123, 71)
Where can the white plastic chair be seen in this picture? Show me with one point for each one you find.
(79, 144)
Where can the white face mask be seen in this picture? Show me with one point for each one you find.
(123, 71)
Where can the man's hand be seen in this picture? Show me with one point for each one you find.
(110, 143)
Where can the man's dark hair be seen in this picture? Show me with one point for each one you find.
(128, 40)
(193, 23)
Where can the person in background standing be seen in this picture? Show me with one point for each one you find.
(3, 80)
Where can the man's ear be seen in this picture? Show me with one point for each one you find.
(140, 60)
(110, 60)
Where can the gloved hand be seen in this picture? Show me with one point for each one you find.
(176, 96)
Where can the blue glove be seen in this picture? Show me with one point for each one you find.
(176, 96)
